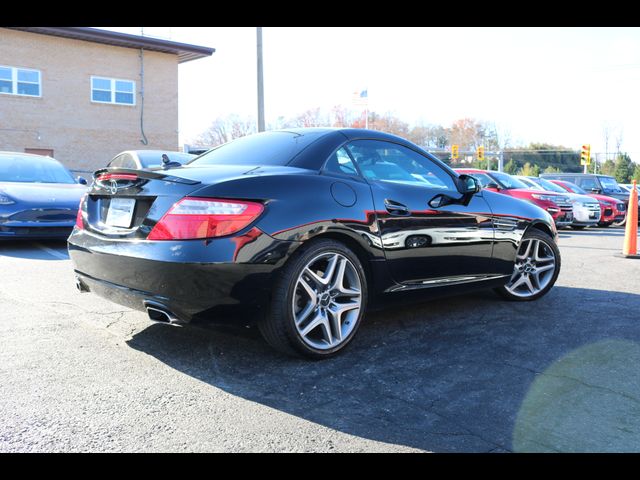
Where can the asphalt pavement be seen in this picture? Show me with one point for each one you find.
(470, 373)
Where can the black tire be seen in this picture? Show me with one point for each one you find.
(534, 233)
(278, 325)
(621, 223)
(578, 227)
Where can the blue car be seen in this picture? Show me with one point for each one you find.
(39, 197)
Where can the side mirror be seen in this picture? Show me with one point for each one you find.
(596, 190)
(493, 186)
(468, 185)
(82, 181)
(440, 200)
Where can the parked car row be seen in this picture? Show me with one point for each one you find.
(39, 197)
(596, 184)
(569, 204)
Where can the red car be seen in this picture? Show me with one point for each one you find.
(558, 206)
(612, 209)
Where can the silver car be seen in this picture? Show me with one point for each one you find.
(586, 210)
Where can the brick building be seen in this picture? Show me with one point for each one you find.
(83, 94)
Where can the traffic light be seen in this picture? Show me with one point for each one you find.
(480, 153)
(455, 150)
(585, 155)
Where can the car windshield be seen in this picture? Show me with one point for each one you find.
(154, 159)
(267, 148)
(575, 188)
(529, 183)
(506, 181)
(32, 169)
(482, 178)
(610, 185)
(548, 186)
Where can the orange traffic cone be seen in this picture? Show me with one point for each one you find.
(630, 248)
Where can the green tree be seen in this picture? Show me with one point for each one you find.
(608, 167)
(511, 167)
(624, 168)
(530, 170)
(636, 173)
(552, 169)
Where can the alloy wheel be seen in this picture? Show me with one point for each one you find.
(327, 301)
(533, 270)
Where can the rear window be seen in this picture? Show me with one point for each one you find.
(267, 148)
(154, 159)
(27, 169)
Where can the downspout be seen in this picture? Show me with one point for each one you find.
(143, 140)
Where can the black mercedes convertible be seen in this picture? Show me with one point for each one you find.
(309, 226)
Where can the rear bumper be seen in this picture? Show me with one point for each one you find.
(193, 279)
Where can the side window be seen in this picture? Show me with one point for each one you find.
(588, 183)
(389, 162)
(340, 162)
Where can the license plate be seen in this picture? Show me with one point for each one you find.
(120, 212)
(592, 215)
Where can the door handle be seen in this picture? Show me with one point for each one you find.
(396, 208)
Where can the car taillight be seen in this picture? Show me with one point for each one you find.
(193, 218)
(79, 221)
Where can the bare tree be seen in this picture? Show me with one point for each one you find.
(225, 129)
(310, 118)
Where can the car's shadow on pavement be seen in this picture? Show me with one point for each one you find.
(468, 373)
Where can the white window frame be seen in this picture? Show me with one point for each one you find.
(14, 82)
(112, 90)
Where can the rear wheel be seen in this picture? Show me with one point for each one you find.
(535, 270)
(318, 301)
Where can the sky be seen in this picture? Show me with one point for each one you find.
(557, 85)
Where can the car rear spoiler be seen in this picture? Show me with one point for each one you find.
(146, 174)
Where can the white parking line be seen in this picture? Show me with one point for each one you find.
(53, 252)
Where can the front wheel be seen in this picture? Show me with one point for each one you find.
(535, 270)
(621, 223)
(318, 301)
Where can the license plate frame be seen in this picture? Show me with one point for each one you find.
(120, 212)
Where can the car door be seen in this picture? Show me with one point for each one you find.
(423, 244)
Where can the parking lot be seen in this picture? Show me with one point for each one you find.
(469, 373)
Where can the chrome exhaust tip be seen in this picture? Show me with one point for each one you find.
(81, 287)
(160, 314)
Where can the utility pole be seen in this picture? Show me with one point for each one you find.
(500, 161)
(260, 81)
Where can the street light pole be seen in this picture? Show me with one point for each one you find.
(260, 81)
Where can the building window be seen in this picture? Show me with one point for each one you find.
(112, 90)
(19, 81)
